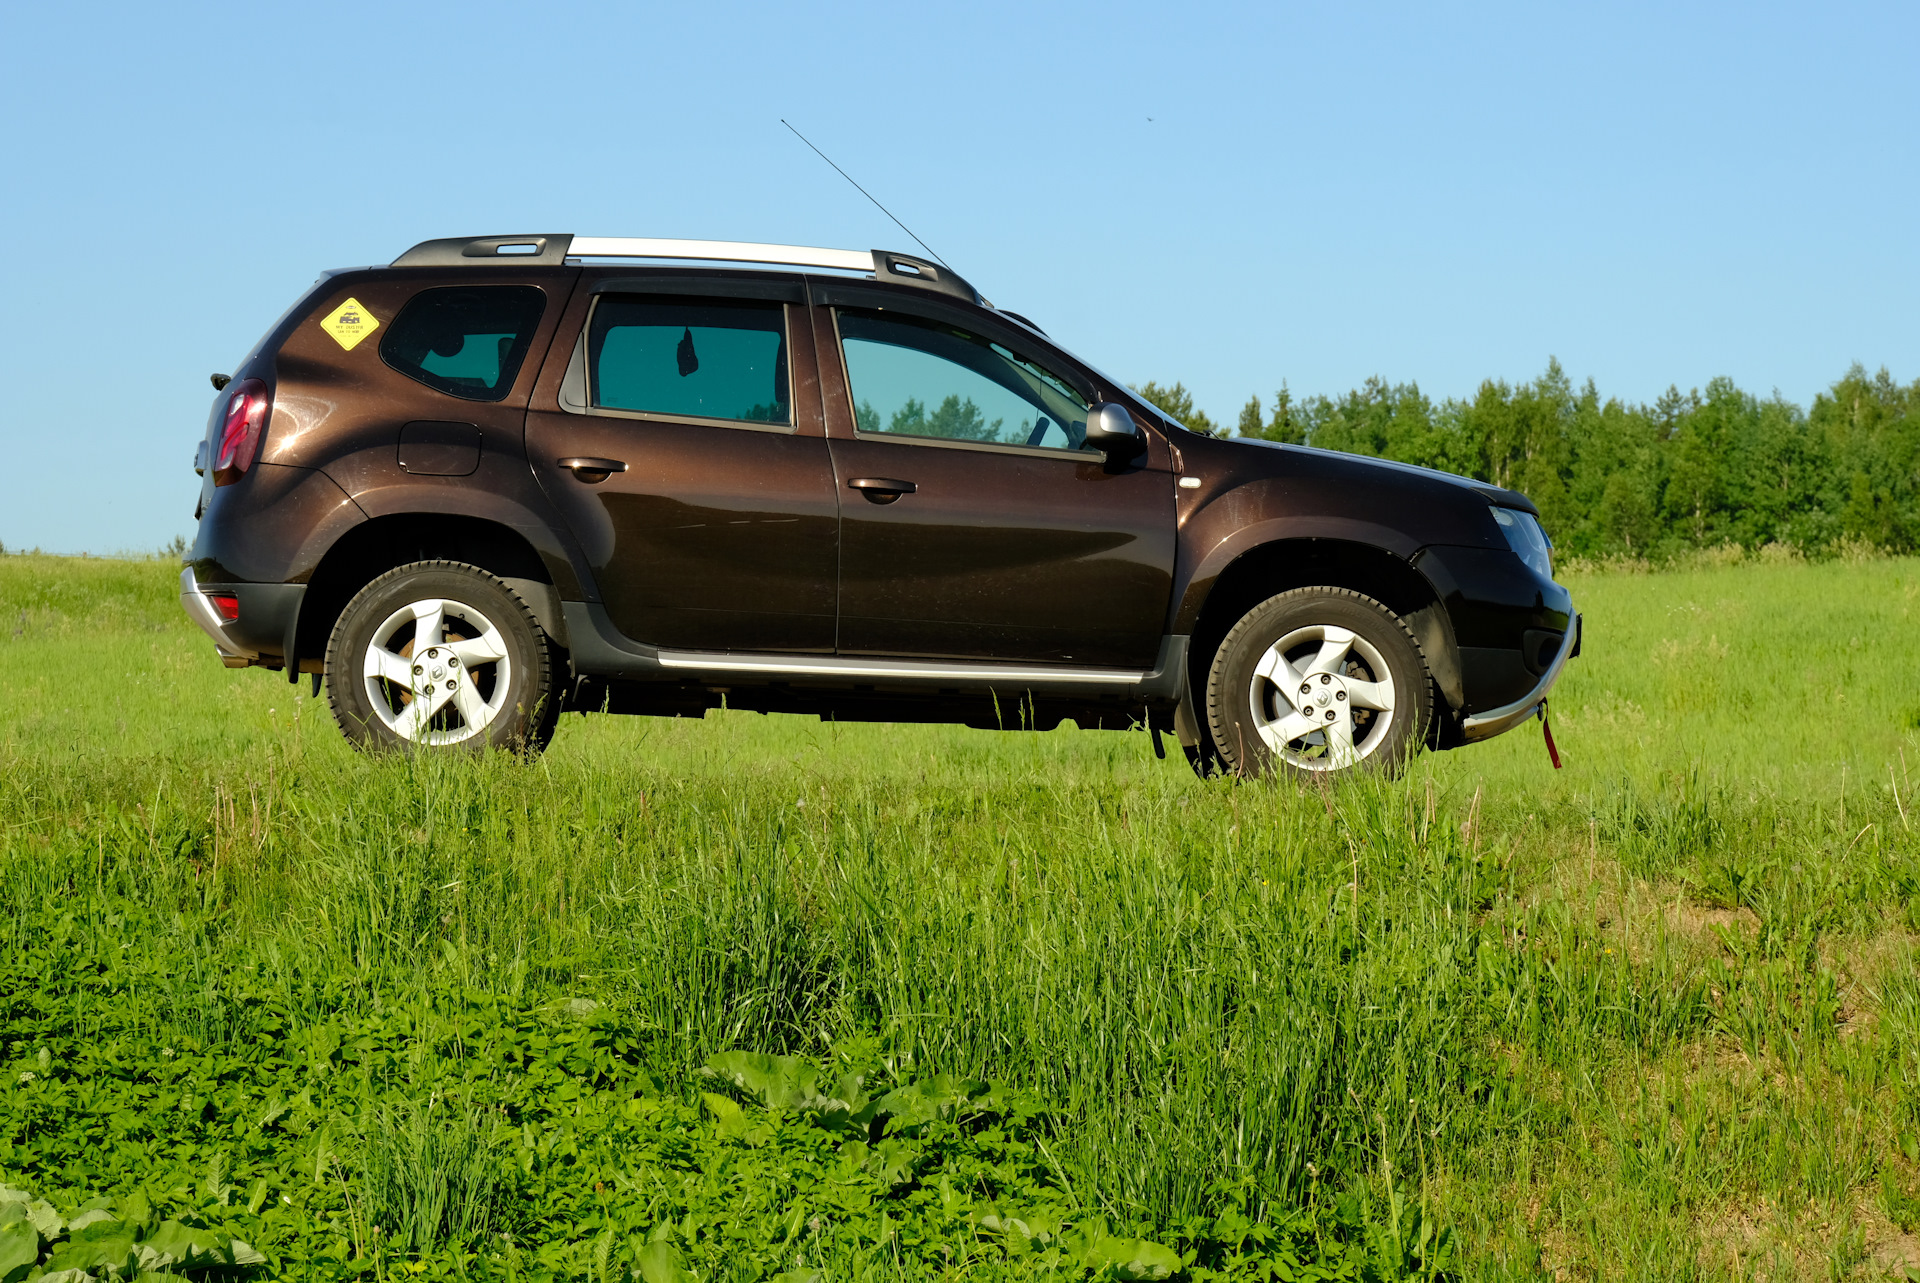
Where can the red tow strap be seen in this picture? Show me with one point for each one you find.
(1546, 729)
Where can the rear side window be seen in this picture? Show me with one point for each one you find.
(465, 340)
(702, 358)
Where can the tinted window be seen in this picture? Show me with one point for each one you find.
(710, 359)
(465, 340)
(919, 378)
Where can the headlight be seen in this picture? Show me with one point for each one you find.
(1529, 541)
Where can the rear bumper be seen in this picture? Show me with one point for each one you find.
(1486, 725)
(266, 620)
(201, 612)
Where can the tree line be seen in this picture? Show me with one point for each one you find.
(1692, 470)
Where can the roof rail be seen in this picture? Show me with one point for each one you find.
(545, 249)
(886, 265)
(554, 249)
(848, 260)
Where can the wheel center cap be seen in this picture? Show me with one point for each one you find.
(1323, 695)
(438, 673)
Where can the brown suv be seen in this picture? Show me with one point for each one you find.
(513, 475)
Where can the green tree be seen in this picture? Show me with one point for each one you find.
(1391, 420)
(1615, 478)
(953, 418)
(1870, 430)
(1177, 404)
(1252, 422)
(1627, 517)
(1701, 433)
(1772, 468)
(1691, 469)
(1285, 425)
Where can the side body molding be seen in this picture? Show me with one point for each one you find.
(599, 649)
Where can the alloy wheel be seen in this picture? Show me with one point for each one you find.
(1322, 698)
(437, 672)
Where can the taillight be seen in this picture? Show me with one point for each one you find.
(228, 606)
(240, 433)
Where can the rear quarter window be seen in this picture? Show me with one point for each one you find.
(467, 341)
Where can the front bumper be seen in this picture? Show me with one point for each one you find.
(1494, 721)
(201, 612)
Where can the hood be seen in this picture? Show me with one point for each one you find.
(1493, 494)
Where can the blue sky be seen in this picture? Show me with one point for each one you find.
(1226, 195)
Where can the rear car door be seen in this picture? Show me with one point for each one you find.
(975, 525)
(713, 525)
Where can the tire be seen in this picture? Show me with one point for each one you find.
(491, 679)
(1368, 700)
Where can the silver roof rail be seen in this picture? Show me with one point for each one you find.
(847, 260)
(552, 249)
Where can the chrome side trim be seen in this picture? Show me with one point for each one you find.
(720, 252)
(1494, 721)
(899, 669)
(201, 612)
(598, 648)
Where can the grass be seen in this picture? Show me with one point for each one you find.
(1651, 1016)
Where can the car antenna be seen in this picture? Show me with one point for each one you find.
(869, 195)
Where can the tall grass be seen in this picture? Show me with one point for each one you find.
(430, 1176)
(1650, 1017)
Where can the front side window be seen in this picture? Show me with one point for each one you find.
(709, 359)
(465, 340)
(917, 378)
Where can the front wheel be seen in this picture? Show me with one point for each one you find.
(1318, 680)
(441, 655)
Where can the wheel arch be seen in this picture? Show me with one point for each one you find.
(379, 544)
(1280, 565)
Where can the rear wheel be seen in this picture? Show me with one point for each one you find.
(1318, 680)
(441, 655)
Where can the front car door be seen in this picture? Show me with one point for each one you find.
(721, 532)
(975, 524)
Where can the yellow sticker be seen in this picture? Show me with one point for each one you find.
(350, 323)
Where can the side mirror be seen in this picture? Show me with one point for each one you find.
(1112, 430)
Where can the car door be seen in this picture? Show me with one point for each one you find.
(974, 524)
(686, 452)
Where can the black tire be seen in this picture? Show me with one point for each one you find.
(1253, 706)
(507, 694)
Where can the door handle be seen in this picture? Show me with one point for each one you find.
(881, 489)
(593, 471)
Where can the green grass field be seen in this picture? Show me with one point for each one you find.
(1063, 1009)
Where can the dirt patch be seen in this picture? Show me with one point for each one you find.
(1856, 1022)
(1647, 919)
(1894, 1257)
(1559, 1255)
(1698, 922)
(1863, 968)
(1744, 1241)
